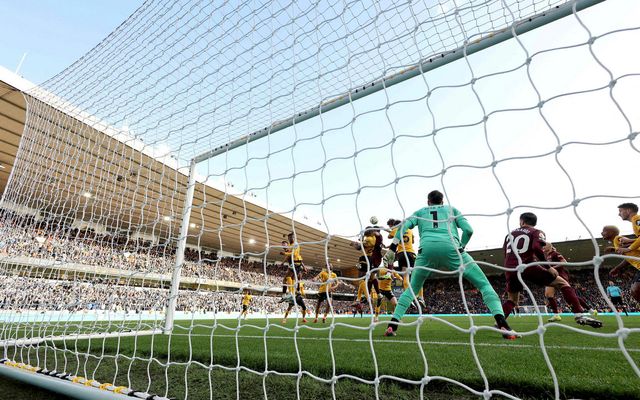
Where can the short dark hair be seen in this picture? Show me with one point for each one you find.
(629, 206)
(435, 197)
(529, 218)
(391, 222)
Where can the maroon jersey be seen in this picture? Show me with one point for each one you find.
(556, 257)
(527, 242)
(377, 250)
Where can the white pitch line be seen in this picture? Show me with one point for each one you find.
(437, 343)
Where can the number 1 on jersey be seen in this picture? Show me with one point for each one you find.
(434, 215)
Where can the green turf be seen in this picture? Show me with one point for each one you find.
(586, 366)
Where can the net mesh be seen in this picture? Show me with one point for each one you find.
(92, 212)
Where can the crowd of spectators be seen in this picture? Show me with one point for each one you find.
(38, 294)
(88, 248)
(442, 296)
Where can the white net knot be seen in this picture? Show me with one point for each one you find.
(623, 333)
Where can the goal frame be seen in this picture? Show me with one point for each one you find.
(421, 67)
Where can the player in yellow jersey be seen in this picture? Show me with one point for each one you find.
(405, 256)
(612, 234)
(298, 300)
(246, 301)
(629, 212)
(362, 299)
(385, 283)
(324, 292)
(293, 260)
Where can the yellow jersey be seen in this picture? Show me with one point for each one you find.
(290, 286)
(246, 299)
(300, 289)
(406, 246)
(293, 250)
(324, 277)
(362, 291)
(385, 278)
(632, 253)
(635, 223)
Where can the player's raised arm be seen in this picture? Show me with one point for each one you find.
(465, 226)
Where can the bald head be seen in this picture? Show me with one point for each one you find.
(609, 232)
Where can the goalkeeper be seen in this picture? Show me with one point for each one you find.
(442, 249)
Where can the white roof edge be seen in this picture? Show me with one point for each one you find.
(96, 123)
(15, 80)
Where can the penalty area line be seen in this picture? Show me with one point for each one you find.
(429, 342)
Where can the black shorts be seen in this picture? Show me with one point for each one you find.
(297, 300)
(405, 260)
(297, 267)
(386, 293)
(322, 296)
(244, 308)
(617, 301)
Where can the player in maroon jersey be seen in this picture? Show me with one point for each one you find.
(371, 245)
(552, 255)
(524, 245)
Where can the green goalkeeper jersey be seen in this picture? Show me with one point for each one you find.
(439, 223)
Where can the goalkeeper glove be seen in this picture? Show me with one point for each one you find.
(390, 256)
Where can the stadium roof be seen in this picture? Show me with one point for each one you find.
(161, 182)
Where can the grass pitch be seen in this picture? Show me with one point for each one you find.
(202, 360)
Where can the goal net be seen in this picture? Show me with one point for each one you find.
(167, 184)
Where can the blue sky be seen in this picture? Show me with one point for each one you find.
(55, 33)
(316, 172)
